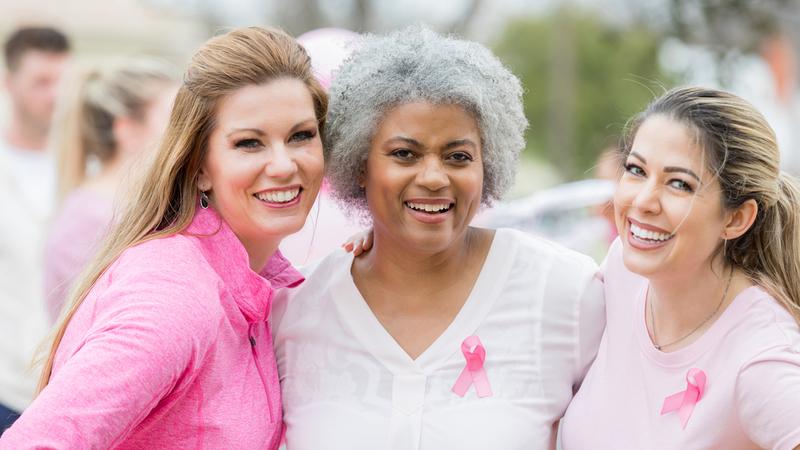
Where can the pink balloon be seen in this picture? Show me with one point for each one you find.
(327, 47)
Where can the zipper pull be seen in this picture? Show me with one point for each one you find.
(252, 341)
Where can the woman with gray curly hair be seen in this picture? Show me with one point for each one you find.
(443, 335)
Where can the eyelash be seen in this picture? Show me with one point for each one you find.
(306, 135)
(683, 186)
(406, 155)
(300, 136)
(247, 143)
(461, 157)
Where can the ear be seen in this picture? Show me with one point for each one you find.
(362, 178)
(740, 220)
(125, 132)
(203, 180)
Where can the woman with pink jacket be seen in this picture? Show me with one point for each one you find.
(165, 341)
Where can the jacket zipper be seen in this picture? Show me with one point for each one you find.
(260, 371)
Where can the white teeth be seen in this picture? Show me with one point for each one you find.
(278, 196)
(429, 207)
(649, 235)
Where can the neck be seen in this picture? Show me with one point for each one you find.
(400, 268)
(679, 304)
(260, 254)
(25, 135)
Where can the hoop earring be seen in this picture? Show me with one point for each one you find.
(203, 200)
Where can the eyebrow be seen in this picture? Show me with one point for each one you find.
(449, 145)
(251, 130)
(407, 140)
(670, 169)
(460, 142)
(260, 132)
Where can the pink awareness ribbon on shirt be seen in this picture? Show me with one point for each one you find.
(473, 372)
(684, 401)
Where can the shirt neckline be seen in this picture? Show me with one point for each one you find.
(362, 322)
(251, 291)
(687, 355)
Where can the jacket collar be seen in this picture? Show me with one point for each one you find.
(227, 256)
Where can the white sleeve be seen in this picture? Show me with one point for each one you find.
(591, 324)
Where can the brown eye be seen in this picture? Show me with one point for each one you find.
(403, 153)
(460, 157)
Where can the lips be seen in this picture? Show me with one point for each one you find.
(646, 237)
(280, 197)
(430, 210)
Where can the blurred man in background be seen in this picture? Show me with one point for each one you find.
(35, 59)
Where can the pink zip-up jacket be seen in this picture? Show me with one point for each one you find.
(171, 349)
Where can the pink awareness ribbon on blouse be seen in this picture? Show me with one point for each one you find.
(473, 372)
(684, 401)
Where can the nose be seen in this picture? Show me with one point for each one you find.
(432, 174)
(281, 163)
(648, 197)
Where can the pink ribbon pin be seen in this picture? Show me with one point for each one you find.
(684, 401)
(473, 372)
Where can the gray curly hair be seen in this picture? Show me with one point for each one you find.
(417, 64)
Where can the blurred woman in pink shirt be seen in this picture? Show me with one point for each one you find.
(115, 115)
(702, 345)
(165, 342)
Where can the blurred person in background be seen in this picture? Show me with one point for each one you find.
(608, 167)
(35, 59)
(114, 116)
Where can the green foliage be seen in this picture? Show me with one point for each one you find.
(603, 75)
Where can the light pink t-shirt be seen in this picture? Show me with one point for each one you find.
(74, 237)
(750, 355)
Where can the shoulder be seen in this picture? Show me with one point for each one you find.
(166, 279)
(320, 279)
(558, 260)
(764, 324)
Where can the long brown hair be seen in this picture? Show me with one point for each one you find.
(164, 202)
(741, 149)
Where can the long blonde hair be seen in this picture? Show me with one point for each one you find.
(741, 149)
(164, 202)
(100, 97)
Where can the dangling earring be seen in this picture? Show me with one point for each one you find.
(203, 200)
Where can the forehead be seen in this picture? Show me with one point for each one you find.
(40, 61)
(428, 119)
(663, 141)
(280, 100)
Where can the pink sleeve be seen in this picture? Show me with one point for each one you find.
(150, 333)
(768, 398)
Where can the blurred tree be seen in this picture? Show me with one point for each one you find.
(299, 16)
(583, 79)
(730, 28)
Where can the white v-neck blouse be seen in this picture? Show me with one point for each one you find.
(536, 307)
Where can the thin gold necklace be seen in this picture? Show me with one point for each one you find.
(653, 318)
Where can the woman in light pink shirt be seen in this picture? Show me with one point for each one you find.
(166, 342)
(702, 345)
